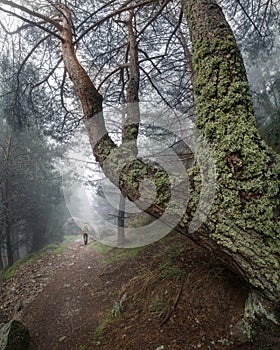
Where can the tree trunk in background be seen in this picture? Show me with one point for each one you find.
(7, 223)
(121, 219)
(131, 118)
(1, 260)
(6, 219)
(243, 225)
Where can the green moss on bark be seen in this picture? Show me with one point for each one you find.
(243, 220)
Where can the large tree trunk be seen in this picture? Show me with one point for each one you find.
(242, 227)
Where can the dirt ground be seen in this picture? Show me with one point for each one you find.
(69, 309)
(60, 297)
(169, 296)
(186, 300)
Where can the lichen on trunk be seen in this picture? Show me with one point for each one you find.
(244, 220)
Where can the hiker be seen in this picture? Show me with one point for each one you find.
(85, 232)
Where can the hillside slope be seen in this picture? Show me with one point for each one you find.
(169, 295)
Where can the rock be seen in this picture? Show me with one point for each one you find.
(61, 339)
(14, 336)
(238, 333)
(19, 305)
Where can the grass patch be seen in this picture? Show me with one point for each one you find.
(123, 254)
(158, 305)
(173, 250)
(153, 289)
(105, 322)
(100, 248)
(113, 255)
(59, 247)
(171, 272)
(109, 317)
(70, 238)
(9, 273)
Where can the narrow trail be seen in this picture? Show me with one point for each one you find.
(67, 312)
(73, 298)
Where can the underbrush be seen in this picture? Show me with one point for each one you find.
(155, 286)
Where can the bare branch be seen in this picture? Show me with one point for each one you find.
(120, 67)
(154, 17)
(19, 29)
(249, 18)
(31, 12)
(150, 59)
(49, 75)
(94, 13)
(32, 23)
(34, 48)
(110, 15)
(155, 87)
(265, 13)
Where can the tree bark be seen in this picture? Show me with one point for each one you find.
(132, 116)
(118, 163)
(242, 227)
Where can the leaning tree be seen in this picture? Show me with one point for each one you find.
(242, 227)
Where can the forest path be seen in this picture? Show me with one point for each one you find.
(61, 297)
(64, 292)
(67, 312)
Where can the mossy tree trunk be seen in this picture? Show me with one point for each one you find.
(243, 226)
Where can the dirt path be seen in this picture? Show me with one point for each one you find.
(70, 301)
(63, 296)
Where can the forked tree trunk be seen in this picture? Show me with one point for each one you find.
(242, 227)
(118, 163)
